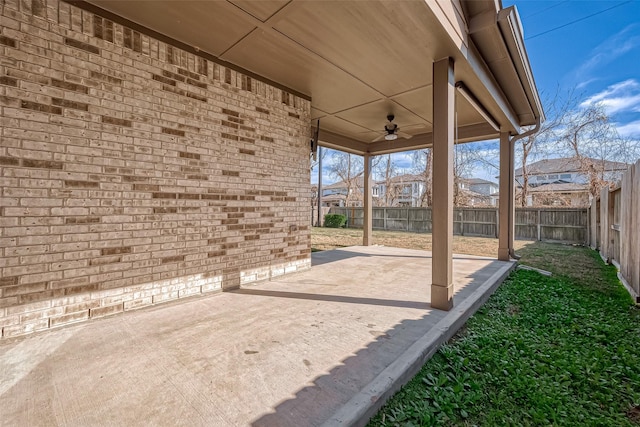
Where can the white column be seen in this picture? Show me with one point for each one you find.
(442, 213)
(367, 224)
(507, 198)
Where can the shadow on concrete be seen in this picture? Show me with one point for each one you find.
(327, 396)
(333, 255)
(294, 352)
(333, 298)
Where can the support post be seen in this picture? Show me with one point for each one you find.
(506, 202)
(319, 224)
(367, 221)
(442, 213)
(512, 199)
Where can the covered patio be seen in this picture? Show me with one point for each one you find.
(445, 72)
(155, 150)
(158, 151)
(326, 346)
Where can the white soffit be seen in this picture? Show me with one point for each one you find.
(360, 60)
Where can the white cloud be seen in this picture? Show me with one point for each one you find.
(585, 83)
(605, 53)
(403, 160)
(631, 129)
(619, 97)
(614, 90)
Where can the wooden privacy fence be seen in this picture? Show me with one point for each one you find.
(314, 215)
(546, 224)
(615, 228)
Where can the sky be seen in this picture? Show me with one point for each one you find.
(589, 46)
(598, 56)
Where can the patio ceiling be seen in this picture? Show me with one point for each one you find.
(360, 60)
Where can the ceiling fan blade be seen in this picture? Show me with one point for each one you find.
(379, 138)
(404, 135)
(415, 126)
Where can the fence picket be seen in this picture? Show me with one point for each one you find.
(619, 225)
(549, 224)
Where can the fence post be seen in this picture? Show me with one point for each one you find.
(353, 215)
(407, 210)
(604, 223)
(384, 218)
(588, 238)
(611, 223)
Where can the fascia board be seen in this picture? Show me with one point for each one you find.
(341, 143)
(511, 29)
(481, 69)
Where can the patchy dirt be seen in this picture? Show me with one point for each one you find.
(634, 414)
(513, 310)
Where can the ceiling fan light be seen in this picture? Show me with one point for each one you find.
(391, 137)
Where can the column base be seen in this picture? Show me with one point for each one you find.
(442, 297)
(503, 254)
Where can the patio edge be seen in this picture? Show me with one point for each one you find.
(368, 401)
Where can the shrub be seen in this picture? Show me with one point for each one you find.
(334, 220)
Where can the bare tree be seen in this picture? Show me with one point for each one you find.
(388, 170)
(322, 156)
(464, 160)
(349, 169)
(583, 129)
(423, 166)
(544, 142)
(314, 195)
(594, 142)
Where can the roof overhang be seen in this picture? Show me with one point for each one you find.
(360, 61)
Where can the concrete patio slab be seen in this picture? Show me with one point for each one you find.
(324, 346)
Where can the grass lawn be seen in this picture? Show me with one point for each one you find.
(560, 350)
(331, 238)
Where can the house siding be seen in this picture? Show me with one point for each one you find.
(135, 173)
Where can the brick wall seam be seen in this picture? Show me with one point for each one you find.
(135, 173)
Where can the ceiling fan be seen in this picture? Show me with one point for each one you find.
(391, 131)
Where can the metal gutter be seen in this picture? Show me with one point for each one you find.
(511, 29)
(497, 33)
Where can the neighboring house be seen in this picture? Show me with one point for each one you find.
(481, 186)
(335, 200)
(340, 194)
(406, 191)
(549, 180)
(402, 190)
(478, 192)
(563, 194)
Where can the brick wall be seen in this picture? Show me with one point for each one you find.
(135, 173)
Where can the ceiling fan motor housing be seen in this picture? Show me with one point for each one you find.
(390, 127)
